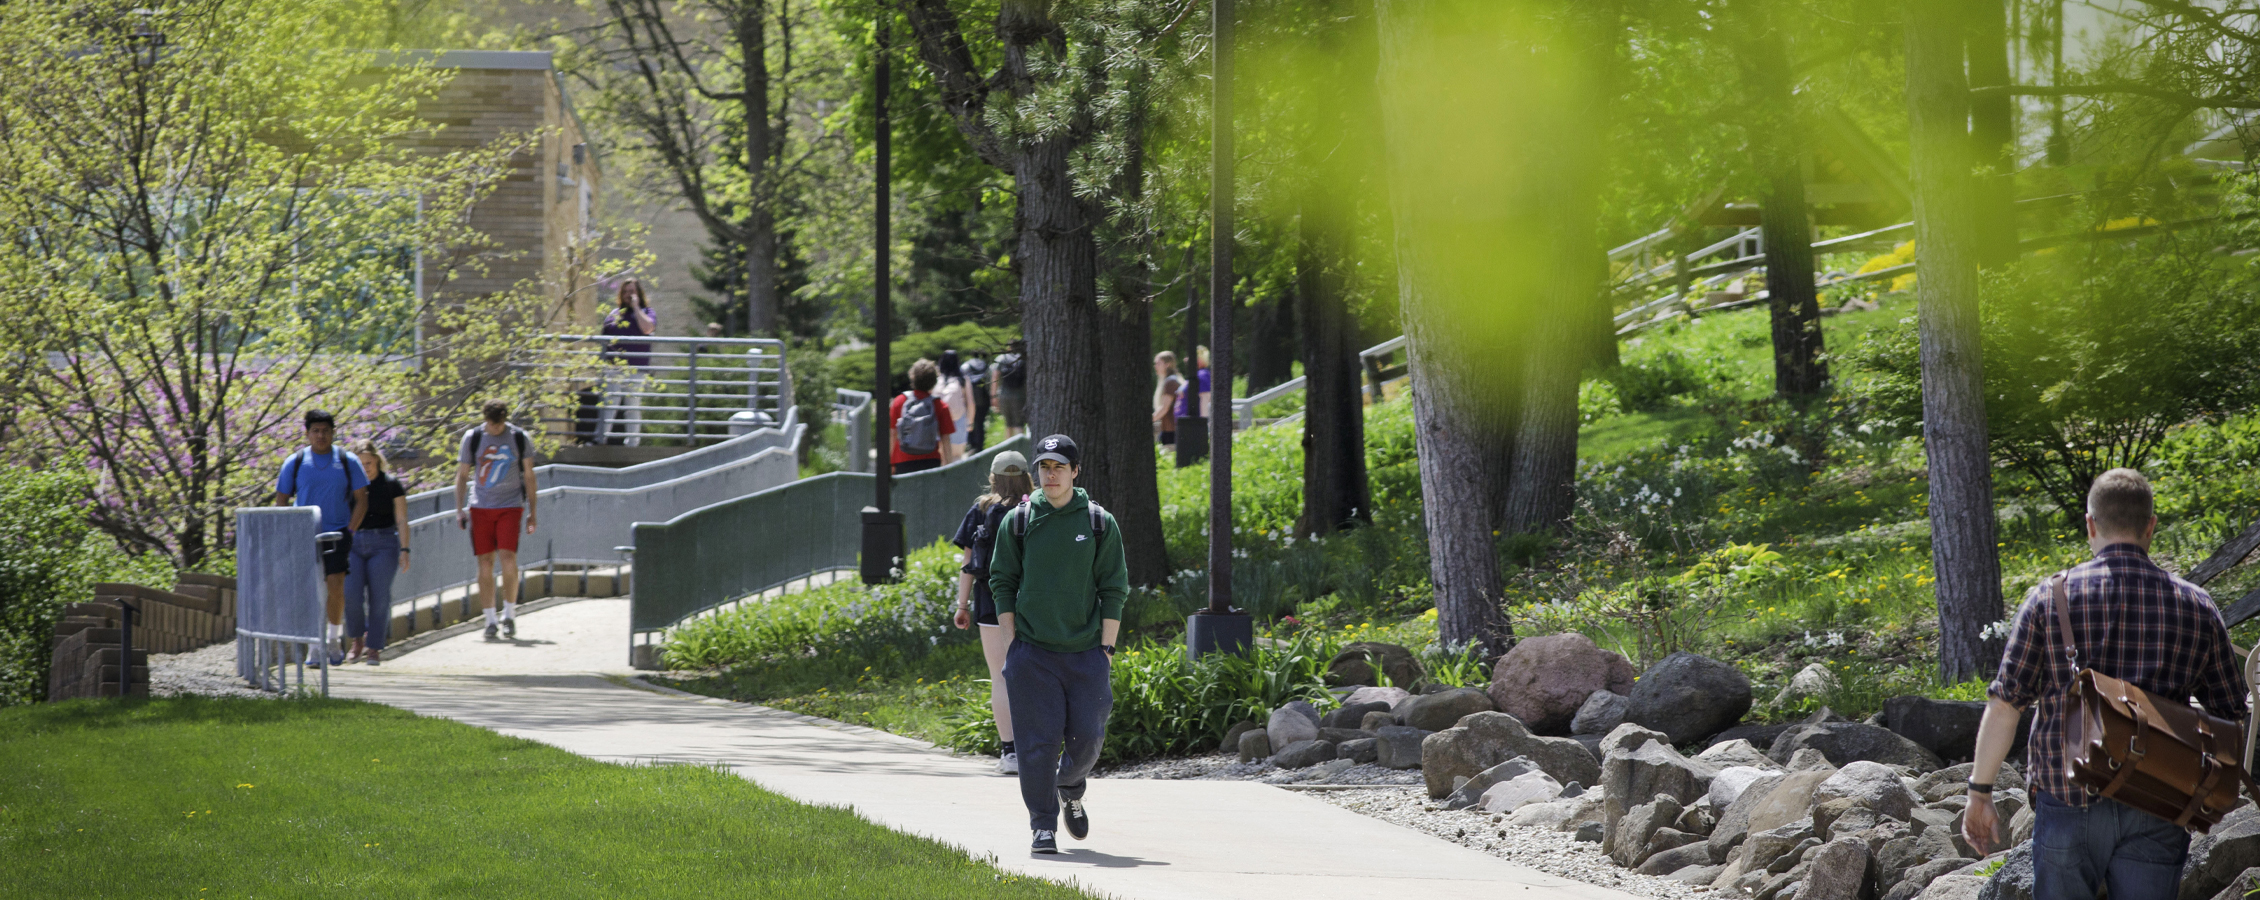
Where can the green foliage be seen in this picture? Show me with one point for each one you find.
(243, 798)
(852, 369)
(47, 561)
(846, 617)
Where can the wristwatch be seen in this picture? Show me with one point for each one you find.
(1109, 648)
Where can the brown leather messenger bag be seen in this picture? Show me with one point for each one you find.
(2164, 757)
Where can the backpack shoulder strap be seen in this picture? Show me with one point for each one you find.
(1019, 519)
(471, 442)
(525, 451)
(1098, 520)
(297, 461)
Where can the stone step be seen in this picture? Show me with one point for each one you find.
(108, 656)
(109, 676)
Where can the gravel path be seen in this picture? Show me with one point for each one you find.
(209, 672)
(1551, 852)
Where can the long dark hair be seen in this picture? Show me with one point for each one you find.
(1006, 487)
(621, 300)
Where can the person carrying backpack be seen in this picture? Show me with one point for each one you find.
(324, 476)
(976, 372)
(1058, 580)
(922, 423)
(496, 468)
(1011, 387)
(1009, 487)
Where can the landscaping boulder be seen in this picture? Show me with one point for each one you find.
(1841, 870)
(1811, 682)
(1363, 663)
(1952, 781)
(1519, 791)
(1900, 856)
(1399, 747)
(1695, 875)
(1374, 720)
(2241, 886)
(1472, 789)
(1564, 814)
(1737, 753)
(1913, 881)
(1668, 861)
(1487, 739)
(1870, 784)
(1651, 770)
(1727, 786)
(1291, 724)
(1254, 745)
(1304, 754)
(1351, 715)
(1601, 713)
(1810, 760)
(1629, 737)
(1946, 727)
(1765, 805)
(1360, 751)
(1589, 833)
(1760, 736)
(1545, 680)
(1953, 887)
(1232, 736)
(2013, 881)
(1689, 697)
(1775, 849)
(1625, 840)
(2219, 857)
(1338, 735)
(1389, 695)
(1444, 709)
(1843, 743)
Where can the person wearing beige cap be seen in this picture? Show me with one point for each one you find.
(1009, 484)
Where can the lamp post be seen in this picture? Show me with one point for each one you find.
(1220, 628)
(882, 524)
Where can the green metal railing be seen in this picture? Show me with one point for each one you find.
(717, 554)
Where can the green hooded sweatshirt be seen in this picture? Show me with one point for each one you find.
(1060, 581)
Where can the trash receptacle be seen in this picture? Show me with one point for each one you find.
(748, 421)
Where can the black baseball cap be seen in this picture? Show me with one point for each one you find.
(1059, 448)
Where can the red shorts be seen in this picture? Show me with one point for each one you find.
(495, 529)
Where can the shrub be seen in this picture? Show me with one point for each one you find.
(852, 369)
(49, 558)
(908, 617)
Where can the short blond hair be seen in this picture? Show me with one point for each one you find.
(2121, 502)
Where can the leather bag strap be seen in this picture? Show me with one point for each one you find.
(2062, 600)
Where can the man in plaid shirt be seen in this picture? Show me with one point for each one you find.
(2132, 620)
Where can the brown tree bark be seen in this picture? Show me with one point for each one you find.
(1777, 143)
(1946, 289)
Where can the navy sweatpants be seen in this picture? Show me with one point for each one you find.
(1060, 702)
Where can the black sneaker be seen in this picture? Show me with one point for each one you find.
(510, 627)
(1044, 843)
(490, 632)
(1078, 819)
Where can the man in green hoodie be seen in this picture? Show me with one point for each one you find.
(1059, 581)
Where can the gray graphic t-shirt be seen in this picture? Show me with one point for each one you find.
(495, 480)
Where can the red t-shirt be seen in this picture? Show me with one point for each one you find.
(941, 418)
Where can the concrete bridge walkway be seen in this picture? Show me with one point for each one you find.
(566, 683)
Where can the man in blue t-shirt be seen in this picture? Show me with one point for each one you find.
(323, 476)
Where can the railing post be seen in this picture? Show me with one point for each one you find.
(690, 413)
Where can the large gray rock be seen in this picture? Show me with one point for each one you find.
(1814, 681)
(1364, 662)
(1628, 737)
(1565, 814)
(1953, 887)
(1471, 790)
(2219, 857)
(1842, 870)
(1649, 771)
(1545, 680)
(1952, 781)
(1519, 791)
(1304, 754)
(1360, 751)
(1389, 695)
(1601, 713)
(1254, 745)
(1870, 784)
(1338, 735)
(1443, 709)
(1292, 724)
(1727, 786)
(2241, 886)
(1666, 862)
(1626, 839)
(1689, 697)
(1400, 747)
(2013, 881)
(1737, 753)
(1844, 743)
(1765, 805)
(1232, 736)
(1915, 879)
(1772, 850)
(1351, 715)
(1761, 736)
(1373, 721)
(1487, 739)
(1947, 728)
(1905, 854)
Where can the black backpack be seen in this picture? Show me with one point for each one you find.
(1012, 371)
(1019, 519)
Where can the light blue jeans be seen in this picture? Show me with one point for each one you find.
(2078, 849)
(374, 560)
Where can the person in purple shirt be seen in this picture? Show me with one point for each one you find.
(630, 316)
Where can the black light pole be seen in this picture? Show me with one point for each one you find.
(1220, 628)
(882, 525)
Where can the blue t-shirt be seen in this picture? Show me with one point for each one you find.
(324, 480)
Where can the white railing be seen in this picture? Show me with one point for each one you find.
(1244, 408)
(685, 393)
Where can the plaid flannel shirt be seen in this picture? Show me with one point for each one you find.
(2133, 621)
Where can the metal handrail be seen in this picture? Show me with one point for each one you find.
(687, 388)
(1244, 408)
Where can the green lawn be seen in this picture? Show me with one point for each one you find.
(197, 798)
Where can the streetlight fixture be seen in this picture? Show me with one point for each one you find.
(882, 523)
(1220, 628)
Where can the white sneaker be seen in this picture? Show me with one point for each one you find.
(1008, 764)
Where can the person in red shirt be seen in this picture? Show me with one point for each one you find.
(928, 413)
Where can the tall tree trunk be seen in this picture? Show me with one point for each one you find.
(1777, 140)
(1271, 343)
(1992, 133)
(1125, 347)
(758, 231)
(1335, 490)
(1946, 290)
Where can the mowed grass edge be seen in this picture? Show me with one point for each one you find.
(199, 798)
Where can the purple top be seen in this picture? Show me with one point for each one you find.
(618, 322)
(1189, 402)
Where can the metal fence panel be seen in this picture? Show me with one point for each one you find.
(715, 554)
(854, 410)
(439, 500)
(278, 579)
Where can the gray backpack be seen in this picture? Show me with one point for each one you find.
(919, 431)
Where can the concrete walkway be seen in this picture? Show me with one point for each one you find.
(565, 683)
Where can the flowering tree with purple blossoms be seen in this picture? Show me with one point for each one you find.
(214, 224)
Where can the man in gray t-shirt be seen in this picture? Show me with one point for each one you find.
(494, 490)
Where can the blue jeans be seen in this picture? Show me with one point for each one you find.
(2077, 850)
(1060, 702)
(368, 585)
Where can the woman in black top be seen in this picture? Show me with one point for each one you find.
(1009, 484)
(380, 550)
